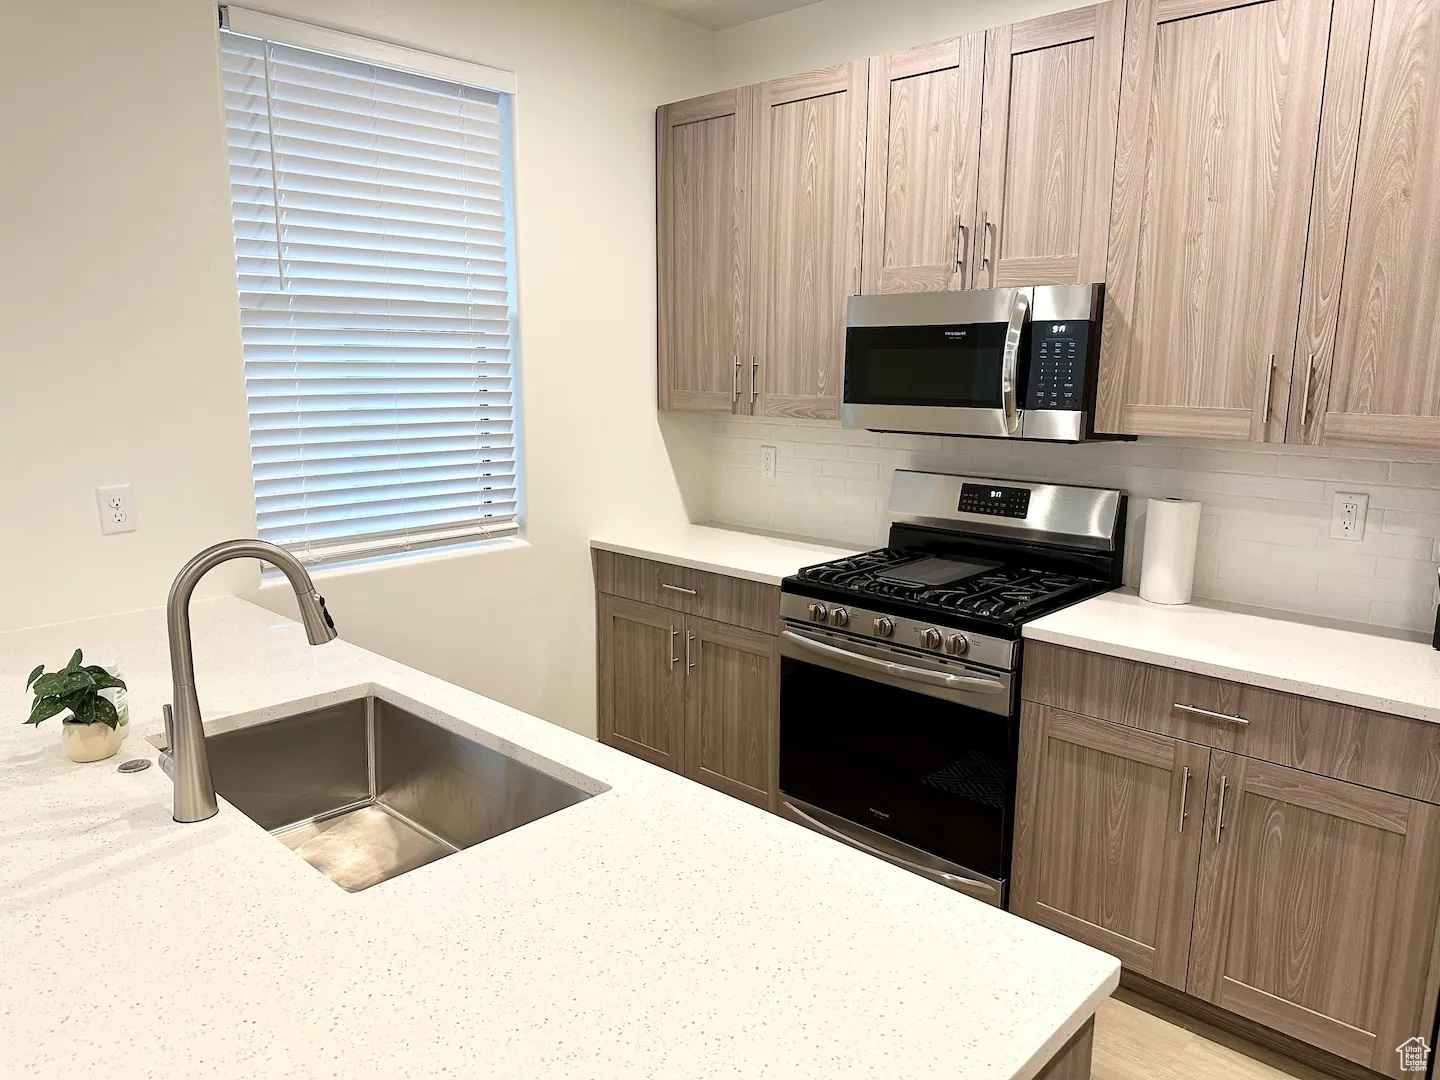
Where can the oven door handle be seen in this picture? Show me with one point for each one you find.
(1010, 361)
(894, 670)
(894, 860)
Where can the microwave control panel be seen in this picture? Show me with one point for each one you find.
(1058, 353)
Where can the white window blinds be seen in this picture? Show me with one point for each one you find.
(374, 253)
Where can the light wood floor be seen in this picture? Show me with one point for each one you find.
(1137, 1039)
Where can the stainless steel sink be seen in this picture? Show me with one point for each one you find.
(365, 791)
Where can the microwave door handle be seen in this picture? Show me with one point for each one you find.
(1010, 362)
(889, 667)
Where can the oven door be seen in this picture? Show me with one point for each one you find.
(944, 363)
(907, 756)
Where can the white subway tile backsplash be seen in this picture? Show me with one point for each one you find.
(1264, 532)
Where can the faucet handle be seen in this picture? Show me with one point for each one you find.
(169, 715)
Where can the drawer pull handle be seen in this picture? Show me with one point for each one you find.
(1229, 719)
(680, 588)
(673, 658)
(1184, 798)
(1220, 816)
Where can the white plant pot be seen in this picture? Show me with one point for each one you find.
(90, 742)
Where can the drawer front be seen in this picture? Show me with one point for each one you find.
(1391, 753)
(723, 599)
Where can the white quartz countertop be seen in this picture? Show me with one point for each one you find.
(1351, 667)
(658, 929)
(719, 550)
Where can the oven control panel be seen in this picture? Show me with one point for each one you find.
(1058, 352)
(994, 500)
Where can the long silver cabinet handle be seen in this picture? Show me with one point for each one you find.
(1227, 717)
(1305, 393)
(930, 871)
(903, 671)
(987, 228)
(689, 641)
(1184, 798)
(1269, 382)
(1010, 361)
(735, 381)
(679, 588)
(754, 370)
(962, 244)
(673, 658)
(1220, 814)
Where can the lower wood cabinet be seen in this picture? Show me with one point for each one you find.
(695, 696)
(1301, 902)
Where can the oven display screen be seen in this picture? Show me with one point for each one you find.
(994, 501)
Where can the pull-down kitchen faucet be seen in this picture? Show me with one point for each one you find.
(185, 759)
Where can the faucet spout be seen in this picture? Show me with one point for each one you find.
(186, 760)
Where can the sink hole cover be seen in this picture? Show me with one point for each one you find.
(138, 764)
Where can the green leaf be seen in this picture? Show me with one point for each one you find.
(44, 708)
(60, 683)
(74, 664)
(103, 679)
(34, 675)
(82, 704)
(103, 712)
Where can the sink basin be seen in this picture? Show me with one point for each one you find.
(365, 791)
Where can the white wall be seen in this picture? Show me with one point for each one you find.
(119, 339)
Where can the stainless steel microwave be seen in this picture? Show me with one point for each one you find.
(1018, 363)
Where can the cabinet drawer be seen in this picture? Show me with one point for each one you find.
(696, 592)
(1387, 752)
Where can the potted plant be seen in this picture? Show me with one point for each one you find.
(92, 730)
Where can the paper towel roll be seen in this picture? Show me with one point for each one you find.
(1167, 568)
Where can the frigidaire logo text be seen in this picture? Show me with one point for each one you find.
(956, 333)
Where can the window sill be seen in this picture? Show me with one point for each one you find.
(272, 578)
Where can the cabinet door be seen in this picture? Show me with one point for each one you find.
(642, 681)
(1047, 149)
(922, 166)
(811, 152)
(703, 248)
(1215, 158)
(1316, 908)
(731, 709)
(1107, 837)
(1372, 303)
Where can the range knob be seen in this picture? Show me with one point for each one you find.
(930, 638)
(818, 613)
(839, 617)
(957, 644)
(884, 627)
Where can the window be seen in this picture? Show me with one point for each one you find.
(375, 260)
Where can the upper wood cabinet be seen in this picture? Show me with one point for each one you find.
(990, 156)
(923, 166)
(1215, 158)
(1316, 908)
(809, 185)
(703, 222)
(1047, 148)
(1370, 319)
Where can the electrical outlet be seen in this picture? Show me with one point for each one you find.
(117, 509)
(1347, 522)
(767, 463)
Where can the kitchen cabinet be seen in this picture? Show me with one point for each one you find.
(809, 180)
(703, 221)
(990, 156)
(1214, 166)
(1369, 326)
(691, 694)
(1316, 908)
(1108, 837)
(760, 207)
(1298, 899)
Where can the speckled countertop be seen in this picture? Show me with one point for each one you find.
(722, 550)
(658, 929)
(1373, 671)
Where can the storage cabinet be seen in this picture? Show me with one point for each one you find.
(1215, 159)
(1301, 901)
(1369, 326)
(990, 156)
(691, 694)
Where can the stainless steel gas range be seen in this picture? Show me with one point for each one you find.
(900, 668)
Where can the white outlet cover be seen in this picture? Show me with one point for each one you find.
(767, 462)
(116, 505)
(1347, 520)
